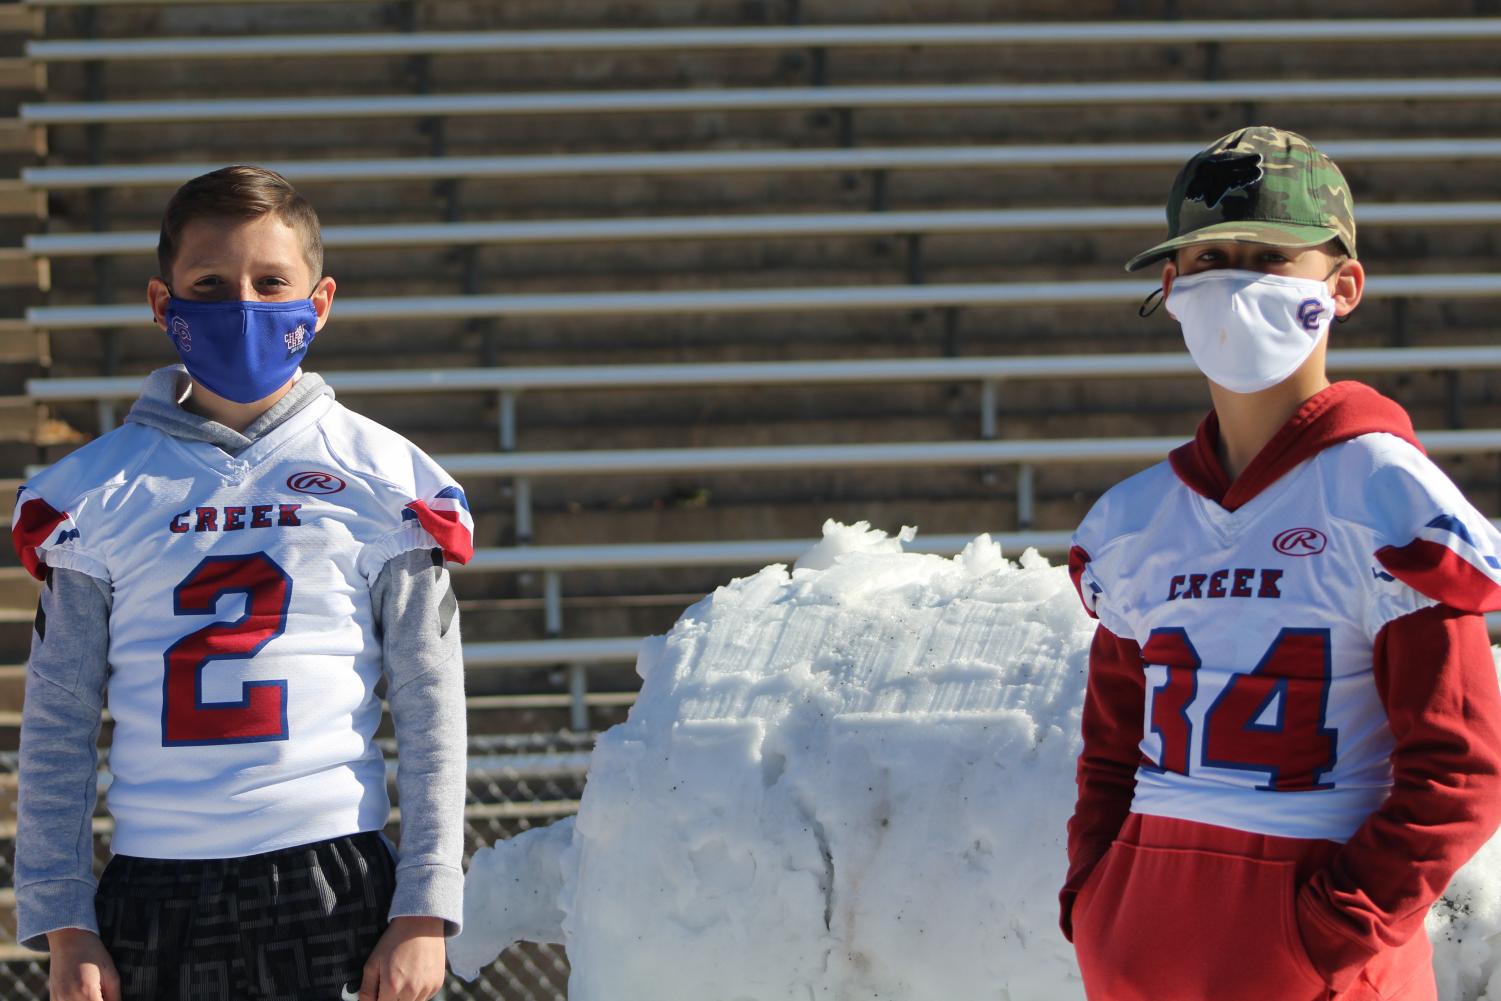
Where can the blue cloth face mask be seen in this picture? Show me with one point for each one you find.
(241, 350)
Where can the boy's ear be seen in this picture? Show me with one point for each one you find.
(1169, 272)
(157, 295)
(1348, 286)
(323, 300)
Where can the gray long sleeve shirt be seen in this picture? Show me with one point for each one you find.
(416, 615)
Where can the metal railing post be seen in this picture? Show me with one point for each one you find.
(552, 603)
(1026, 486)
(989, 398)
(578, 674)
(578, 697)
(523, 491)
(508, 420)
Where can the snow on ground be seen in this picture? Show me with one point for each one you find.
(847, 781)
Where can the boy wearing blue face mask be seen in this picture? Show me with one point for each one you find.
(237, 567)
(1292, 729)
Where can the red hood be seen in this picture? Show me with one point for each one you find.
(1343, 411)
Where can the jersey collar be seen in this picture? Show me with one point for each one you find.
(1343, 411)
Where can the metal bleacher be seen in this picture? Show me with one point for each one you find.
(639, 281)
(841, 300)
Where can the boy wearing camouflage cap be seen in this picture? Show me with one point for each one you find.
(1292, 730)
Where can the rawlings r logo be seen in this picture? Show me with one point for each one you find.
(1221, 173)
(315, 482)
(1300, 542)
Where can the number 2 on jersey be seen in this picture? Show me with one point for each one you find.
(261, 713)
(1271, 720)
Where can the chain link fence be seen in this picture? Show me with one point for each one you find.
(515, 783)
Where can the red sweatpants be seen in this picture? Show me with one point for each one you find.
(1179, 911)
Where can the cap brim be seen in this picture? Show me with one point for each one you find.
(1270, 233)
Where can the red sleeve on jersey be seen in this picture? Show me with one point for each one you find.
(1442, 574)
(1435, 675)
(449, 524)
(1077, 558)
(1107, 765)
(33, 527)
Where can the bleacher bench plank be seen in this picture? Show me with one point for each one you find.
(12, 717)
(853, 371)
(821, 36)
(774, 300)
(472, 811)
(58, 178)
(757, 553)
(522, 653)
(762, 99)
(169, 3)
(934, 454)
(740, 227)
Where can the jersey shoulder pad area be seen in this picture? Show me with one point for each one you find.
(57, 510)
(1123, 512)
(421, 494)
(1425, 532)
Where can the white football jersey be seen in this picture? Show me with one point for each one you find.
(1257, 625)
(243, 655)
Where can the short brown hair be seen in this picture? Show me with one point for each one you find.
(238, 192)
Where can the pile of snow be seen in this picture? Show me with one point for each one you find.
(849, 781)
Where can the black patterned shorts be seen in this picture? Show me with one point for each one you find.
(290, 925)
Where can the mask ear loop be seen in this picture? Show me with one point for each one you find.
(1149, 304)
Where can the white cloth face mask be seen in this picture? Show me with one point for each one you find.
(1246, 330)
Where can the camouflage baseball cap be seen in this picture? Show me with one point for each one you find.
(1257, 185)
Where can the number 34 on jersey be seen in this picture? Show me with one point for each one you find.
(1269, 722)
